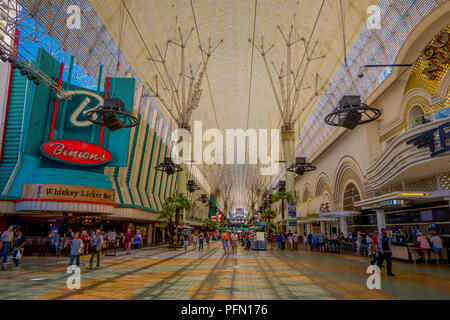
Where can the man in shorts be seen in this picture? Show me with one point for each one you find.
(127, 241)
(186, 240)
(234, 242)
(226, 242)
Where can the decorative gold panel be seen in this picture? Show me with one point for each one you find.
(419, 78)
(444, 181)
(428, 184)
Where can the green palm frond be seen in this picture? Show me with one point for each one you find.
(268, 215)
(282, 195)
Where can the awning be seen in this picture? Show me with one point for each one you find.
(339, 213)
(318, 220)
(397, 198)
(47, 205)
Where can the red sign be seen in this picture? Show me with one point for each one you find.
(75, 152)
(324, 207)
(213, 218)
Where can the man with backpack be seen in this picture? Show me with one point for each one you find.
(385, 251)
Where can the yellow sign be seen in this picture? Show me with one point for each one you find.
(66, 193)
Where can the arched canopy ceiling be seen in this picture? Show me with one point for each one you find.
(237, 91)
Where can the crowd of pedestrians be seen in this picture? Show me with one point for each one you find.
(84, 242)
(11, 246)
(196, 238)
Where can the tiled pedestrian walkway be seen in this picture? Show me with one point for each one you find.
(160, 273)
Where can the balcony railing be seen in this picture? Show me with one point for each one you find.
(428, 117)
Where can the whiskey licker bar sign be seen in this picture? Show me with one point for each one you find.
(75, 152)
(37, 191)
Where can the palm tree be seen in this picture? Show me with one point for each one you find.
(282, 195)
(209, 225)
(180, 202)
(171, 208)
(167, 213)
(268, 216)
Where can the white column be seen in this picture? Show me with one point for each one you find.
(322, 227)
(343, 225)
(381, 218)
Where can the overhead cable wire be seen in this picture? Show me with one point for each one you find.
(203, 59)
(251, 64)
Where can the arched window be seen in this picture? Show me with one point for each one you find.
(351, 195)
(306, 195)
(415, 112)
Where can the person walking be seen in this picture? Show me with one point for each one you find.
(320, 241)
(295, 240)
(310, 238)
(313, 242)
(234, 242)
(19, 243)
(137, 240)
(358, 243)
(271, 240)
(127, 241)
(279, 240)
(385, 251)
(201, 238)
(369, 245)
(374, 248)
(5, 243)
(76, 248)
(305, 240)
(226, 243)
(111, 236)
(54, 240)
(194, 240)
(290, 240)
(97, 244)
(85, 239)
(207, 239)
(185, 239)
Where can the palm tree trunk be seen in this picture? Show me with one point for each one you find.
(177, 218)
(170, 229)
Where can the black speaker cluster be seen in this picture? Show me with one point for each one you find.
(300, 166)
(168, 166)
(351, 112)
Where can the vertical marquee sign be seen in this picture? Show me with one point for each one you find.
(58, 142)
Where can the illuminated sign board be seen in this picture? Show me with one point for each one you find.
(76, 152)
(426, 139)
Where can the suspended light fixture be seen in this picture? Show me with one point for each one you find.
(301, 166)
(113, 115)
(351, 112)
(168, 166)
(192, 186)
(281, 185)
(203, 198)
